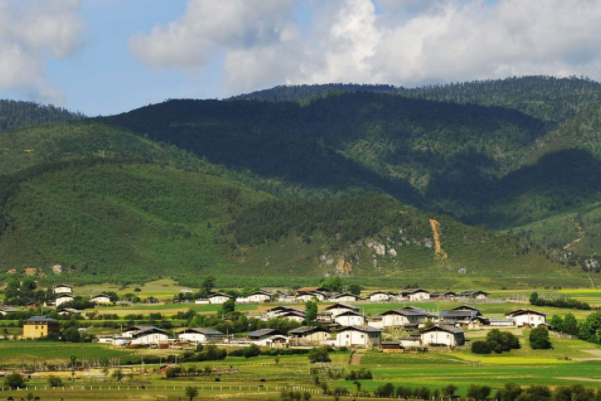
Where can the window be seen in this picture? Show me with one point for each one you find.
(362, 336)
(448, 336)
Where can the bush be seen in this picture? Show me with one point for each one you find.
(386, 390)
(72, 335)
(539, 338)
(54, 381)
(319, 354)
(361, 374)
(477, 392)
(499, 341)
(14, 380)
(480, 347)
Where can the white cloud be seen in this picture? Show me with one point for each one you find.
(403, 42)
(209, 26)
(30, 32)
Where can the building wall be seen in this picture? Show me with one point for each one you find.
(420, 296)
(529, 319)
(345, 299)
(101, 300)
(338, 311)
(62, 290)
(442, 337)
(379, 298)
(218, 300)
(59, 301)
(193, 337)
(350, 320)
(394, 320)
(37, 330)
(353, 338)
(154, 338)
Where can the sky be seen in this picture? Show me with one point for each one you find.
(105, 57)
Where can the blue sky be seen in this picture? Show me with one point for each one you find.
(111, 56)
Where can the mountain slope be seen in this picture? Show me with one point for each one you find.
(101, 218)
(547, 98)
(16, 114)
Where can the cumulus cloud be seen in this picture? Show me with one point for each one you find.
(402, 42)
(30, 32)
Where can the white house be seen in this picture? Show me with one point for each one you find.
(62, 289)
(339, 308)
(350, 318)
(61, 299)
(149, 335)
(346, 297)
(274, 312)
(268, 338)
(200, 335)
(359, 336)
(68, 311)
(101, 299)
(310, 295)
(297, 316)
(474, 294)
(257, 297)
(6, 309)
(218, 298)
(414, 295)
(442, 336)
(380, 296)
(406, 316)
(307, 335)
(443, 295)
(527, 317)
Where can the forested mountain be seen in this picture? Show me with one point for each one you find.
(98, 219)
(469, 161)
(547, 98)
(359, 180)
(16, 114)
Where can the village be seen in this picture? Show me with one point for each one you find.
(306, 341)
(338, 322)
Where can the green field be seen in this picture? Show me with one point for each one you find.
(257, 378)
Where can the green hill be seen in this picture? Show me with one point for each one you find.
(344, 179)
(103, 219)
(548, 98)
(16, 114)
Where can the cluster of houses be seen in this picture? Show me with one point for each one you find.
(342, 325)
(64, 293)
(321, 294)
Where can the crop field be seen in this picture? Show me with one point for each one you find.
(261, 378)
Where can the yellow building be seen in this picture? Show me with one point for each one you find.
(40, 326)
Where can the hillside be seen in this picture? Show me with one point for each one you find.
(547, 98)
(328, 184)
(16, 114)
(472, 162)
(101, 219)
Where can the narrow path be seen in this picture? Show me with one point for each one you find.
(356, 358)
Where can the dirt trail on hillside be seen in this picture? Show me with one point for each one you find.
(439, 253)
(580, 232)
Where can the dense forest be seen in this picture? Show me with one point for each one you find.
(302, 181)
(16, 114)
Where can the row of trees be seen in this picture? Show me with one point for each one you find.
(509, 392)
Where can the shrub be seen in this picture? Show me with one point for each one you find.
(14, 380)
(386, 390)
(319, 354)
(539, 338)
(54, 381)
(477, 392)
(480, 347)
